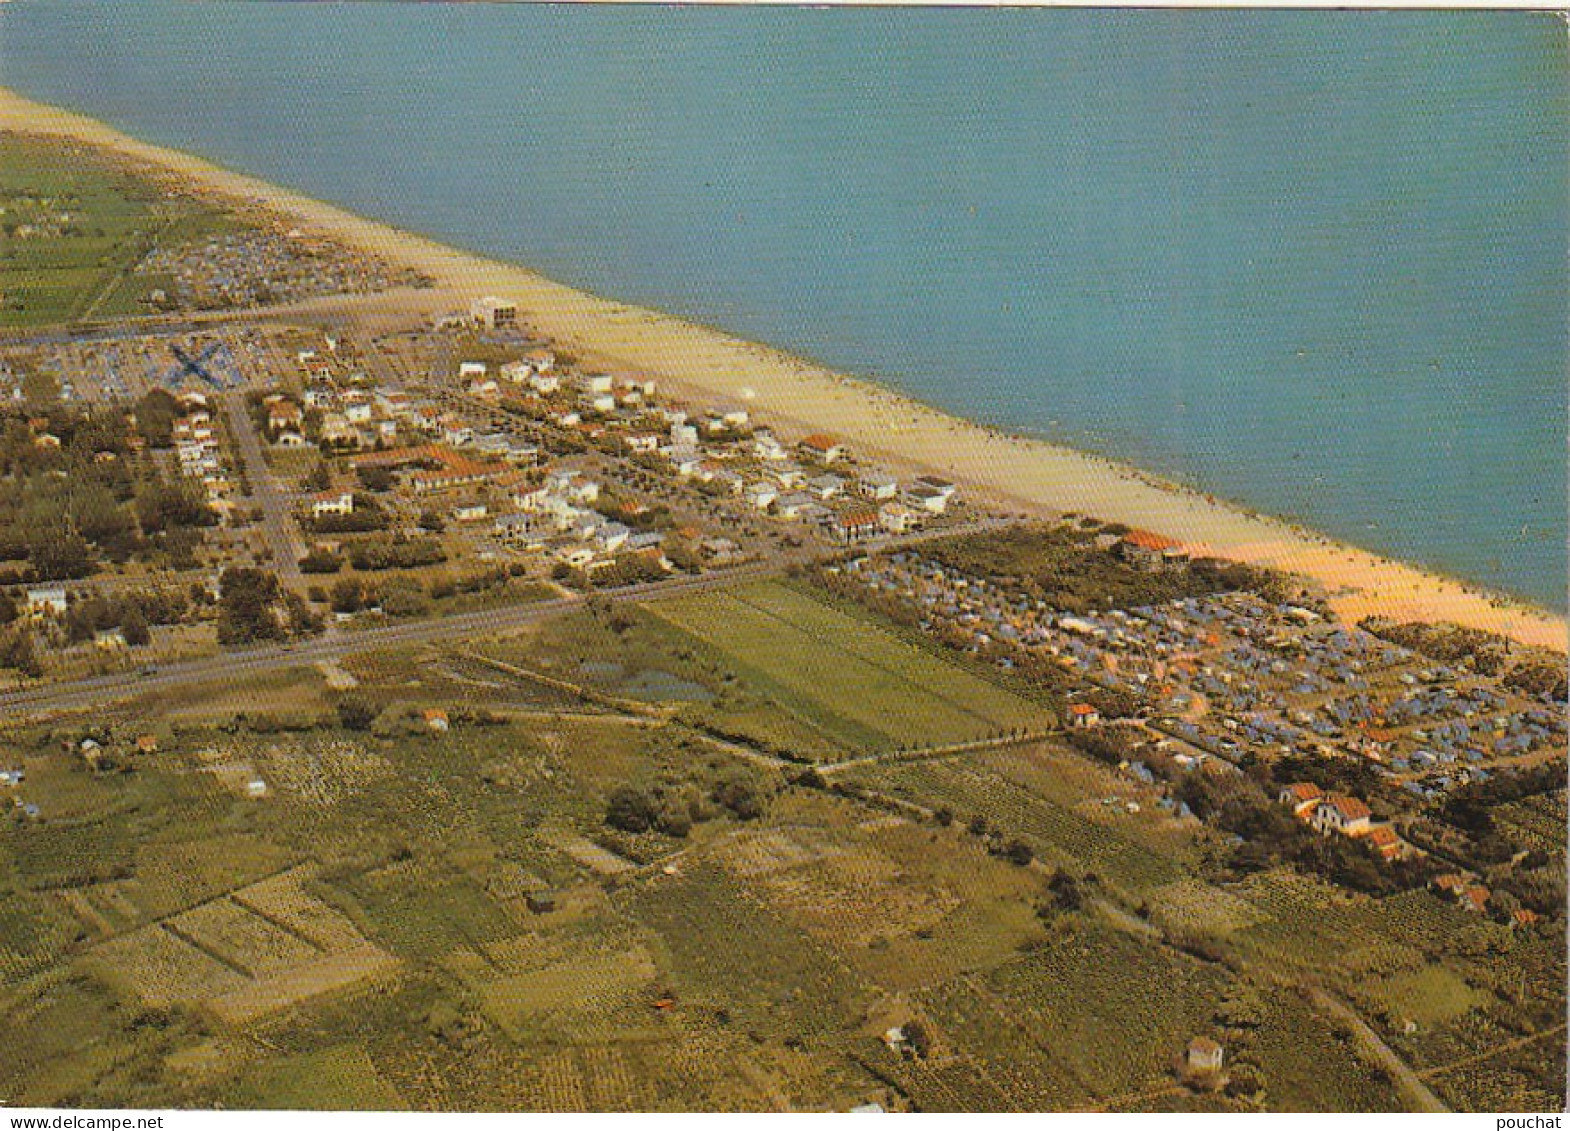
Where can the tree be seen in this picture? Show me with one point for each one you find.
(1066, 894)
(348, 595)
(247, 612)
(375, 478)
(133, 626)
(59, 553)
(1018, 852)
(630, 810)
(17, 651)
(319, 478)
(156, 413)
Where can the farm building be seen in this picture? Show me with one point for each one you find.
(1082, 715)
(1146, 550)
(1338, 813)
(1205, 1055)
(1302, 798)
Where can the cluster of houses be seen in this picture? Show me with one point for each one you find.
(1469, 895)
(718, 449)
(1234, 674)
(1337, 814)
(557, 517)
(198, 452)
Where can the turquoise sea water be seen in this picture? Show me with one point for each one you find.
(1314, 262)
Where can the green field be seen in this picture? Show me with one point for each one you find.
(76, 222)
(371, 920)
(854, 683)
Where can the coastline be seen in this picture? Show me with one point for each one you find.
(1015, 473)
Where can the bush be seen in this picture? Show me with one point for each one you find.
(630, 810)
(741, 798)
(320, 561)
(356, 714)
(1018, 852)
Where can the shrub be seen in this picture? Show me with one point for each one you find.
(630, 810)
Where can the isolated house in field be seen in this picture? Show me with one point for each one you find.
(1083, 715)
(1145, 550)
(46, 600)
(1474, 898)
(147, 744)
(436, 719)
(1205, 1055)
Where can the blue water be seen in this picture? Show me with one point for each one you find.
(1315, 262)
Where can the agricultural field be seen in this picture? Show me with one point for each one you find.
(859, 686)
(1536, 823)
(422, 919)
(76, 223)
(1078, 831)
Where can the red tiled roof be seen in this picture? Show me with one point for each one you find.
(1146, 540)
(1351, 808)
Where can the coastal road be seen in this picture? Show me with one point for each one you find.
(235, 664)
(239, 663)
(278, 526)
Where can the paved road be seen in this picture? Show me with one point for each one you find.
(278, 525)
(232, 665)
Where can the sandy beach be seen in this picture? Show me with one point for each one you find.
(1022, 475)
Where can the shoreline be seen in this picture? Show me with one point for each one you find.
(1015, 472)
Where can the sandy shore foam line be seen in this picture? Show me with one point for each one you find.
(1025, 475)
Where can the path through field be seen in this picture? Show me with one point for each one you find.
(1408, 1082)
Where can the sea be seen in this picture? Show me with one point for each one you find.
(1314, 262)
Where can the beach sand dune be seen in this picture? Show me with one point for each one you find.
(1021, 475)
